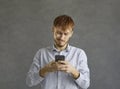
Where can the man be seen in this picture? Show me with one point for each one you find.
(71, 73)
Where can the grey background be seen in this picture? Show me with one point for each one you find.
(25, 26)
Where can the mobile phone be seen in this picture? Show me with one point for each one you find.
(59, 58)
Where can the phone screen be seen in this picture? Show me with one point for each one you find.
(59, 58)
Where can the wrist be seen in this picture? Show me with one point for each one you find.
(75, 74)
(43, 72)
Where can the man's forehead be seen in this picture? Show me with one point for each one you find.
(67, 30)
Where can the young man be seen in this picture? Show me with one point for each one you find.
(71, 73)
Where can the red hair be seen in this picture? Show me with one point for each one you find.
(64, 22)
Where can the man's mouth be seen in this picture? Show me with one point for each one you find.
(61, 40)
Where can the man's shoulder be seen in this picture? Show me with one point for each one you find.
(44, 49)
(76, 48)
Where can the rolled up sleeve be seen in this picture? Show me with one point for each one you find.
(84, 79)
(33, 77)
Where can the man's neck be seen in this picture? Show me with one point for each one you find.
(61, 48)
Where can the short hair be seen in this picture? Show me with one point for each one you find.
(64, 22)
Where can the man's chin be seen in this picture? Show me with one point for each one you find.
(61, 45)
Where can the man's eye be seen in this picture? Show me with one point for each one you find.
(59, 33)
(65, 33)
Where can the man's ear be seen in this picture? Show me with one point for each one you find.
(71, 34)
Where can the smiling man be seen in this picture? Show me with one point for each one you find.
(70, 73)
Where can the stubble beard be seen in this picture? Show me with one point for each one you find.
(61, 45)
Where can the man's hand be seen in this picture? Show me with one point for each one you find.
(51, 67)
(59, 66)
(67, 67)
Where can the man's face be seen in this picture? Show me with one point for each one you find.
(62, 37)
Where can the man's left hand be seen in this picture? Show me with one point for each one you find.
(68, 68)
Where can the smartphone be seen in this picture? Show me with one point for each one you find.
(59, 58)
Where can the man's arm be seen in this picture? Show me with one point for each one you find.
(81, 75)
(33, 77)
(84, 79)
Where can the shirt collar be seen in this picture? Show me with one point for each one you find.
(67, 48)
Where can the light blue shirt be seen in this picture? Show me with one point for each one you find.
(59, 80)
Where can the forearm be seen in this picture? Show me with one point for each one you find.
(33, 78)
(83, 80)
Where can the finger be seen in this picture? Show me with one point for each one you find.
(62, 67)
(53, 63)
(65, 70)
(62, 62)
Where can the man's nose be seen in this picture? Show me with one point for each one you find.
(62, 36)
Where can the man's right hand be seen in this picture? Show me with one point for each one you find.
(50, 67)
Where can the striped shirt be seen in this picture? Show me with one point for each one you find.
(59, 79)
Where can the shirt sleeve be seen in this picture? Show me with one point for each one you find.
(84, 79)
(33, 77)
